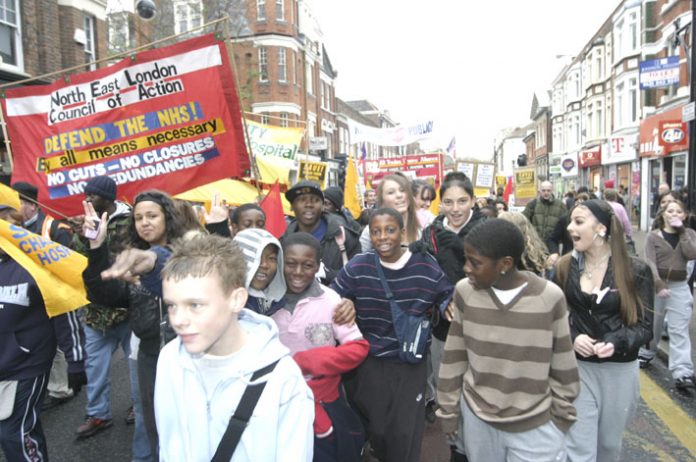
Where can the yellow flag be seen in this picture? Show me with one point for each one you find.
(9, 196)
(351, 191)
(57, 270)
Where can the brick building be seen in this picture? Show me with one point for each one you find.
(39, 37)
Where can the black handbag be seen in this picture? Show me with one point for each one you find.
(240, 418)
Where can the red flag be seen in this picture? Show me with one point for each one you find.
(508, 190)
(272, 206)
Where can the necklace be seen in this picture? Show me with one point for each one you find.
(589, 269)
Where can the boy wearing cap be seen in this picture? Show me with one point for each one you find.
(307, 202)
(105, 328)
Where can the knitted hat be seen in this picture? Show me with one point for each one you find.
(335, 195)
(26, 191)
(303, 187)
(102, 186)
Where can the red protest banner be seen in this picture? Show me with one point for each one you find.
(167, 118)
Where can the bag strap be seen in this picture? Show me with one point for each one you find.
(240, 418)
(383, 279)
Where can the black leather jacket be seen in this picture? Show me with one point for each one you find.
(602, 321)
(144, 309)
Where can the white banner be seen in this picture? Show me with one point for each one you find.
(392, 136)
(621, 149)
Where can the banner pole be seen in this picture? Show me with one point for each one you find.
(253, 168)
(6, 138)
(110, 57)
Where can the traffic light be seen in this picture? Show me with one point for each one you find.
(342, 165)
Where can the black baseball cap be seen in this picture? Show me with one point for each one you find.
(303, 187)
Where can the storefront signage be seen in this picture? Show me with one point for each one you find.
(663, 134)
(569, 165)
(659, 73)
(621, 149)
(591, 157)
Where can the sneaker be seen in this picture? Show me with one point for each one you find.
(430, 416)
(686, 382)
(130, 416)
(92, 426)
(644, 361)
(51, 401)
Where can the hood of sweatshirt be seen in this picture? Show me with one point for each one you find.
(121, 209)
(252, 241)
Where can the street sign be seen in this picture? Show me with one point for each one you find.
(688, 112)
(318, 143)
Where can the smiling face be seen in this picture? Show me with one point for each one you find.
(583, 228)
(482, 271)
(150, 222)
(456, 204)
(300, 268)
(394, 196)
(386, 236)
(307, 209)
(202, 315)
(423, 198)
(370, 198)
(267, 268)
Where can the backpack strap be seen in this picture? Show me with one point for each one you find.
(240, 418)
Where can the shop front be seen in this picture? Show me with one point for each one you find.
(590, 161)
(664, 142)
(618, 163)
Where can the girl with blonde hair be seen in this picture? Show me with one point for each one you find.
(535, 251)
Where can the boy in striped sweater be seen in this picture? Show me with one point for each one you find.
(509, 354)
(389, 392)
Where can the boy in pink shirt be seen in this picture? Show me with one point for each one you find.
(306, 327)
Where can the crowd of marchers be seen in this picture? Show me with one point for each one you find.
(522, 333)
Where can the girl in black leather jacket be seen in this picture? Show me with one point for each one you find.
(610, 304)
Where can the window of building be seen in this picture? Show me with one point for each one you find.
(90, 52)
(263, 64)
(119, 32)
(619, 39)
(264, 119)
(283, 119)
(282, 66)
(260, 10)
(187, 15)
(633, 30)
(310, 79)
(619, 107)
(280, 10)
(590, 126)
(598, 65)
(10, 35)
(633, 97)
(599, 130)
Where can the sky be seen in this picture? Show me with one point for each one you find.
(471, 66)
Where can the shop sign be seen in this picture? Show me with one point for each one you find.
(591, 157)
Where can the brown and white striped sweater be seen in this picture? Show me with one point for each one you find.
(513, 363)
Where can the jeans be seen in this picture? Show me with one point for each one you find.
(100, 347)
(678, 307)
(141, 443)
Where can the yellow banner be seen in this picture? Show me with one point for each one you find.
(525, 185)
(351, 189)
(312, 171)
(9, 196)
(57, 270)
(268, 140)
(71, 157)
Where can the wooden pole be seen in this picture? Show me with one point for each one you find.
(254, 169)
